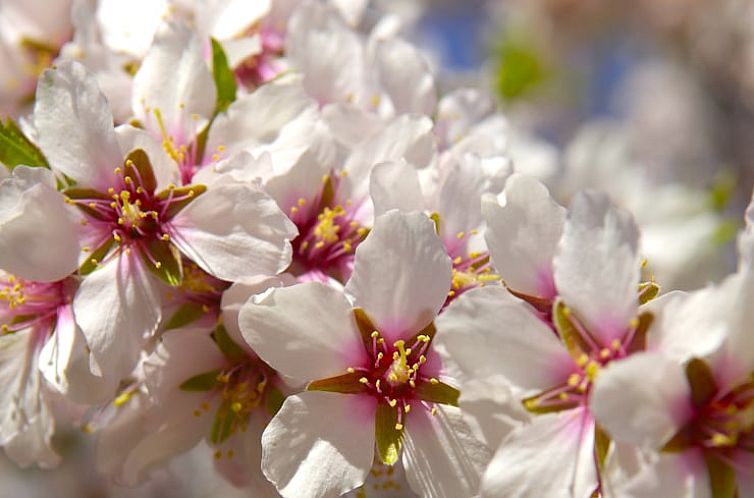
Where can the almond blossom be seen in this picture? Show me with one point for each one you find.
(578, 281)
(373, 377)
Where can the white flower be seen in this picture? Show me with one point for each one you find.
(373, 375)
(549, 353)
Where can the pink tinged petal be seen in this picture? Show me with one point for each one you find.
(64, 362)
(306, 331)
(405, 76)
(682, 475)
(441, 456)
(402, 273)
(522, 235)
(33, 219)
(234, 231)
(75, 126)
(550, 457)
(597, 265)
(117, 308)
(734, 361)
(230, 19)
(395, 185)
(319, 445)
(26, 424)
(488, 332)
(174, 80)
(643, 399)
(491, 409)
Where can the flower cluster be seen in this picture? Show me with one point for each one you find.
(254, 225)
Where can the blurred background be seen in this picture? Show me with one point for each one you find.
(649, 100)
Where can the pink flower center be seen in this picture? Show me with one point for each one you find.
(24, 303)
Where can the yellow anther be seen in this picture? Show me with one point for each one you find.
(605, 353)
(197, 413)
(236, 407)
(398, 427)
(563, 396)
(350, 370)
(375, 334)
(301, 201)
(392, 402)
(592, 369)
(574, 379)
(157, 265)
(434, 411)
(364, 380)
(460, 235)
(582, 360)
(117, 171)
(407, 408)
(165, 237)
(92, 205)
(434, 381)
(123, 398)
(85, 249)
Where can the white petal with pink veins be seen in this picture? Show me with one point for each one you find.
(643, 399)
(319, 445)
(75, 126)
(174, 80)
(522, 235)
(489, 332)
(306, 331)
(117, 308)
(33, 219)
(441, 456)
(234, 231)
(597, 265)
(402, 274)
(552, 456)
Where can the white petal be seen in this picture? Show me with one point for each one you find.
(235, 231)
(306, 331)
(643, 399)
(319, 444)
(129, 27)
(277, 117)
(491, 409)
(550, 457)
(64, 361)
(405, 76)
(75, 126)
(238, 293)
(117, 308)
(26, 424)
(328, 54)
(406, 137)
(441, 456)
(174, 79)
(34, 218)
(522, 235)
(395, 185)
(597, 265)
(401, 276)
(487, 331)
(230, 19)
(681, 475)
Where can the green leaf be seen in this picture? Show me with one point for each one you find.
(16, 149)
(96, 257)
(388, 438)
(722, 477)
(701, 381)
(225, 80)
(139, 168)
(163, 260)
(203, 382)
(232, 351)
(438, 392)
(184, 315)
(346, 384)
